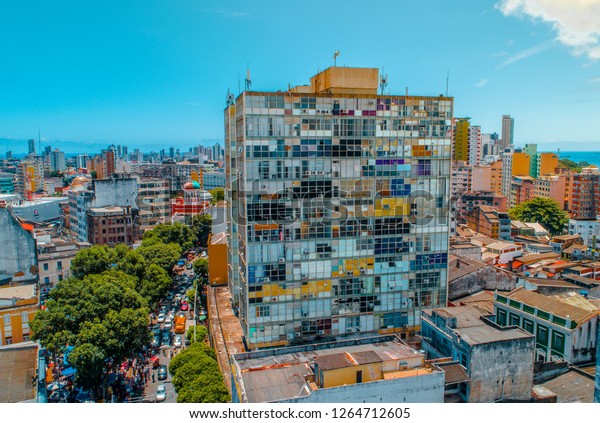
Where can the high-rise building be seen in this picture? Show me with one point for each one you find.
(338, 208)
(57, 161)
(81, 162)
(31, 145)
(109, 161)
(474, 145)
(460, 151)
(585, 194)
(508, 131)
(9, 155)
(531, 150)
(546, 164)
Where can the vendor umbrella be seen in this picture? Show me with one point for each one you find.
(68, 371)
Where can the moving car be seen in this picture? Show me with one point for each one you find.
(161, 393)
(162, 372)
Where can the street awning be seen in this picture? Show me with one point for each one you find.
(68, 371)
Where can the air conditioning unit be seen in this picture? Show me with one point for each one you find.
(266, 279)
(298, 334)
(321, 172)
(281, 259)
(307, 172)
(363, 271)
(349, 273)
(304, 314)
(305, 275)
(321, 332)
(273, 299)
(311, 295)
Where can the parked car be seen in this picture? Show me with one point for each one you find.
(185, 307)
(177, 343)
(178, 297)
(162, 372)
(161, 318)
(161, 393)
(166, 340)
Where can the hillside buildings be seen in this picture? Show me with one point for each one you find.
(324, 237)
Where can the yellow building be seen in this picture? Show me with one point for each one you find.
(496, 176)
(547, 163)
(18, 305)
(521, 163)
(461, 140)
(217, 265)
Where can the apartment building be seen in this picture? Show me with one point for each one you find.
(326, 234)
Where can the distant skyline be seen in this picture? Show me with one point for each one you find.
(155, 73)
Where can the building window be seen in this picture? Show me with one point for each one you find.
(45, 266)
(542, 335)
(47, 280)
(263, 311)
(59, 265)
(515, 319)
(528, 325)
(24, 317)
(558, 342)
(60, 278)
(7, 341)
(501, 316)
(7, 320)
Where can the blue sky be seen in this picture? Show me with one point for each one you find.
(155, 73)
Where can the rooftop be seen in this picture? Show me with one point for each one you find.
(271, 375)
(551, 305)
(19, 362)
(572, 386)
(472, 329)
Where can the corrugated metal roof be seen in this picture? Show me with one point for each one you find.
(454, 373)
(551, 305)
(277, 384)
(366, 357)
(333, 361)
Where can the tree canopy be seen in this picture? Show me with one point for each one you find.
(202, 227)
(574, 166)
(201, 269)
(218, 194)
(170, 233)
(102, 316)
(196, 375)
(545, 211)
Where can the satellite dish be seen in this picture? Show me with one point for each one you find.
(336, 53)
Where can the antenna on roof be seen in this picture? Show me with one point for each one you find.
(336, 53)
(447, 80)
(229, 100)
(248, 80)
(383, 81)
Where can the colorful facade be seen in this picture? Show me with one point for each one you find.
(321, 188)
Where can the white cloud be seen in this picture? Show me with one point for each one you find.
(189, 103)
(481, 83)
(595, 80)
(524, 54)
(576, 22)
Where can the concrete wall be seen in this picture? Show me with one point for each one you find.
(427, 388)
(501, 370)
(486, 278)
(40, 212)
(18, 255)
(115, 192)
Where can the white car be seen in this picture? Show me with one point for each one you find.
(169, 318)
(178, 297)
(161, 318)
(178, 342)
(161, 393)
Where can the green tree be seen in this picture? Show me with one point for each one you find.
(201, 333)
(202, 227)
(167, 233)
(95, 259)
(155, 284)
(201, 269)
(218, 194)
(101, 315)
(196, 375)
(545, 211)
(164, 255)
(208, 387)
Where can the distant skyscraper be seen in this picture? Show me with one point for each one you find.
(47, 150)
(82, 161)
(508, 129)
(31, 144)
(325, 237)
(172, 152)
(57, 161)
(125, 152)
(9, 155)
(460, 152)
